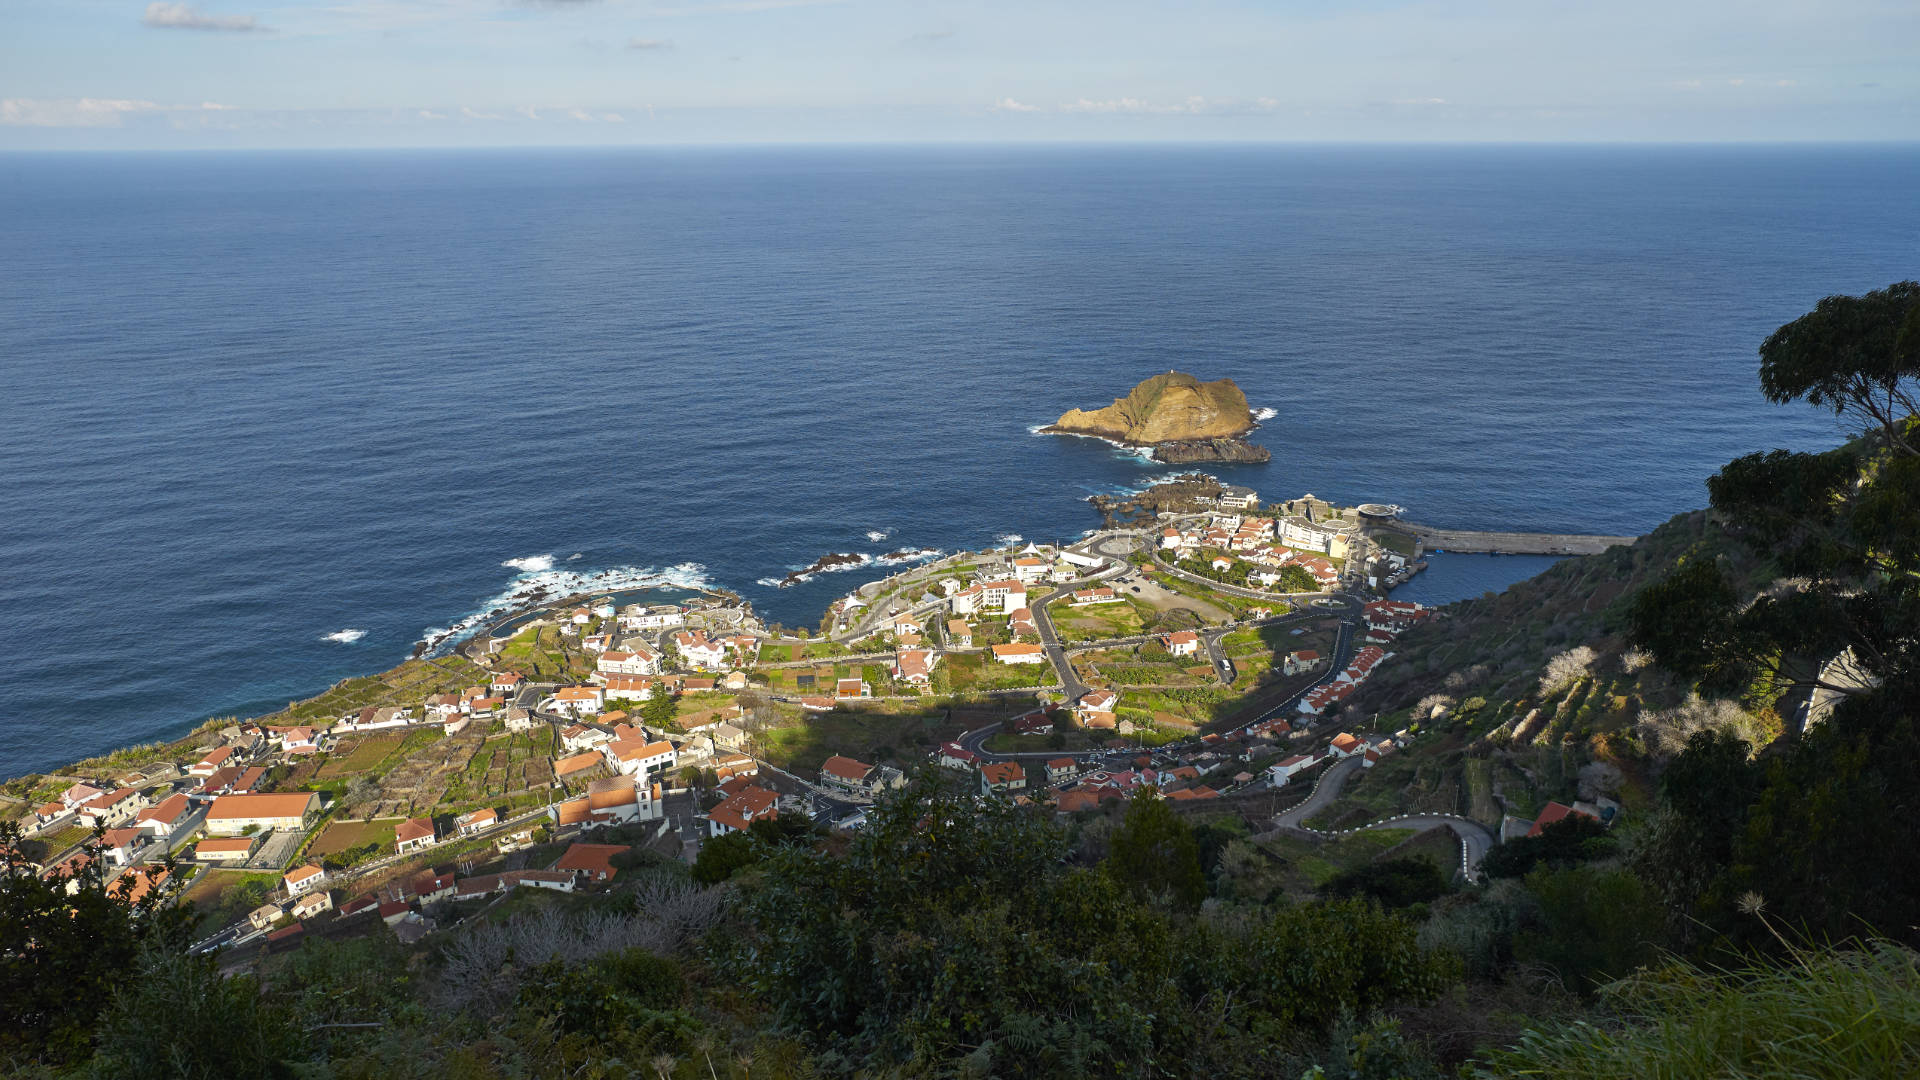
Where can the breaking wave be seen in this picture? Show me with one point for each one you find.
(345, 637)
(841, 561)
(877, 535)
(1009, 539)
(573, 556)
(545, 585)
(1263, 415)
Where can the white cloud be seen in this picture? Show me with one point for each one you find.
(186, 17)
(1007, 104)
(1420, 101)
(1135, 105)
(429, 114)
(649, 44)
(87, 112)
(613, 118)
(474, 115)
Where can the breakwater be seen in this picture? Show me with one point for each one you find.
(1507, 543)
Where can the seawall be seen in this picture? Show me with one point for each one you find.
(1508, 543)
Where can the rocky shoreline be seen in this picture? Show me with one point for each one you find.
(1234, 451)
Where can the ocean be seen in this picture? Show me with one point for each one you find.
(270, 418)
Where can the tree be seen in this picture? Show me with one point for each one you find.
(1296, 579)
(67, 940)
(661, 709)
(179, 1017)
(722, 857)
(1856, 355)
(1575, 838)
(1394, 883)
(1154, 851)
(1812, 599)
(1599, 924)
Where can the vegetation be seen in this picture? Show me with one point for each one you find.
(1736, 691)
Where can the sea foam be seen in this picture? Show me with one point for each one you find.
(1263, 415)
(534, 587)
(345, 637)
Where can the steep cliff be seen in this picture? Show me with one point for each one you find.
(1175, 407)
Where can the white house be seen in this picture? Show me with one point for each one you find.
(636, 660)
(111, 810)
(1020, 654)
(627, 687)
(1003, 595)
(413, 834)
(1288, 768)
(915, 666)
(304, 879)
(635, 756)
(695, 649)
(582, 737)
(1102, 595)
(968, 600)
(742, 809)
(1241, 498)
(470, 823)
(578, 700)
(311, 904)
(1182, 643)
(166, 818)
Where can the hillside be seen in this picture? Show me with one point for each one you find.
(1166, 408)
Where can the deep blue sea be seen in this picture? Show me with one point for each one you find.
(252, 402)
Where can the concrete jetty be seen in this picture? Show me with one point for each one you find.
(1506, 543)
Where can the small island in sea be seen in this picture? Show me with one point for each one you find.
(1179, 418)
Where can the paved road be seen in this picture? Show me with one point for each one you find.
(1475, 839)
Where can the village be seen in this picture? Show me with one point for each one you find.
(1205, 658)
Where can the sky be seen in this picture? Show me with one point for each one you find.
(187, 74)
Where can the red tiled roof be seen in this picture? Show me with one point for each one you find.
(846, 768)
(596, 860)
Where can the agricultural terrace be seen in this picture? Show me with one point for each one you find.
(407, 685)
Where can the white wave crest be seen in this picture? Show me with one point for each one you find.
(908, 556)
(877, 535)
(532, 588)
(1009, 539)
(573, 556)
(345, 637)
(532, 564)
(1263, 414)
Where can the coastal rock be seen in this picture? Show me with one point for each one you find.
(1192, 451)
(1175, 407)
(823, 563)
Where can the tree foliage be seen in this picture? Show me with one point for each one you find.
(67, 940)
(1824, 611)
(952, 929)
(1154, 851)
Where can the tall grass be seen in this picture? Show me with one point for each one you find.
(1832, 1014)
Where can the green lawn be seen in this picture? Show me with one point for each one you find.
(1095, 622)
(980, 671)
